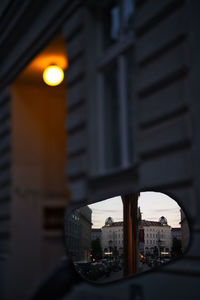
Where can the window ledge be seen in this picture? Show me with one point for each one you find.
(114, 172)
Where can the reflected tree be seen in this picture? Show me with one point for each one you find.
(96, 249)
(176, 247)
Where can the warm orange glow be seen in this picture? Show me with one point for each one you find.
(46, 59)
(53, 75)
(52, 54)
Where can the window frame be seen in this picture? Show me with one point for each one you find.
(100, 59)
(115, 52)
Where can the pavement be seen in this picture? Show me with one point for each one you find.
(118, 275)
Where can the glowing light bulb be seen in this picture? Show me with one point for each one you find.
(53, 75)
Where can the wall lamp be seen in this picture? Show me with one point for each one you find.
(53, 75)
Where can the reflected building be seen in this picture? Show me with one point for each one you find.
(185, 231)
(112, 237)
(78, 233)
(73, 234)
(157, 236)
(85, 232)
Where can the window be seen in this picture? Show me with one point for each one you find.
(53, 218)
(111, 25)
(115, 81)
(118, 21)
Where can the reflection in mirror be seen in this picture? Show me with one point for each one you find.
(126, 235)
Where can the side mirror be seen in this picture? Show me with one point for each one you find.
(126, 235)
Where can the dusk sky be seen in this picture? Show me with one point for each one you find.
(153, 205)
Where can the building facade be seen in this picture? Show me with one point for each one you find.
(156, 235)
(123, 135)
(73, 235)
(112, 237)
(185, 231)
(85, 233)
(78, 234)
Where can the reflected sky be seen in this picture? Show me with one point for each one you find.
(153, 205)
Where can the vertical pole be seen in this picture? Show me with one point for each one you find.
(130, 234)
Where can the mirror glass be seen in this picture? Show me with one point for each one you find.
(125, 235)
